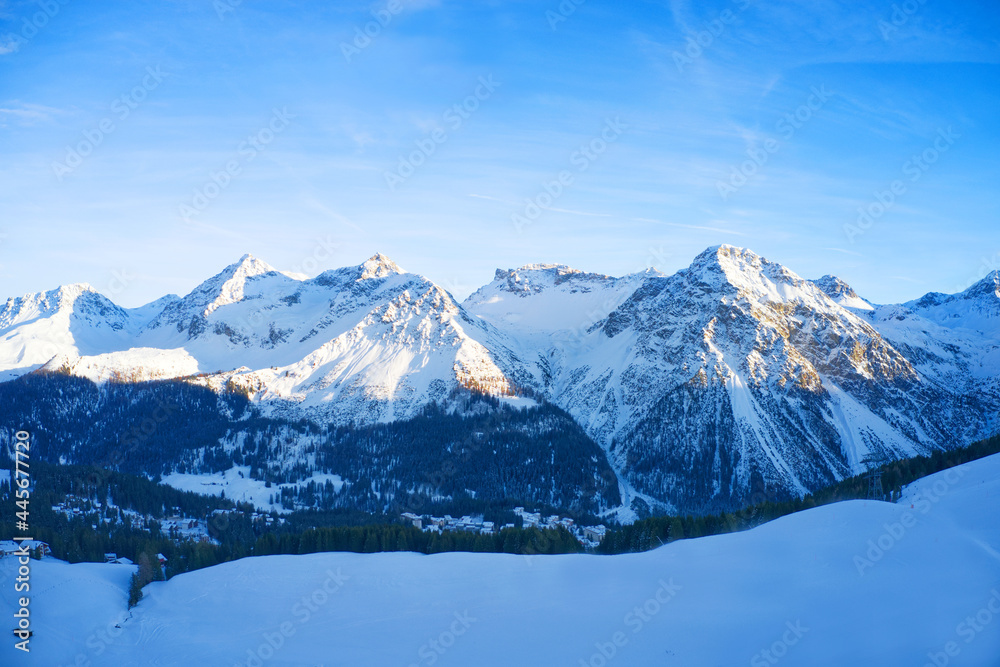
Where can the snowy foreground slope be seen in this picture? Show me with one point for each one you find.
(854, 583)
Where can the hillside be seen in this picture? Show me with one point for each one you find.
(846, 583)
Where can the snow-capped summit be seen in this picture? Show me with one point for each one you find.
(976, 309)
(549, 299)
(842, 293)
(733, 262)
(72, 319)
(379, 266)
(226, 287)
(77, 297)
(735, 271)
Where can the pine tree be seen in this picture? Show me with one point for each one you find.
(134, 590)
(145, 574)
(676, 529)
(402, 542)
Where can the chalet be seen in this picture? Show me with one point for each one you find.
(10, 547)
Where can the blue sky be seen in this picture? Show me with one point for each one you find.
(643, 132)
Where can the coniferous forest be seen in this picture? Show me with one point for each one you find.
(475, 451)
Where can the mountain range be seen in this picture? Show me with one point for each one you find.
(730, 381)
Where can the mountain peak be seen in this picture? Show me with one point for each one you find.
(69, 293)
(223, 288)
(730, 261)
(378, 266)
(61, 299)
(722, 250)
(841, 292)
(725, 256)
(988, 286)
(557, 268)
(534, 278)
(247, 266)
(985, 291)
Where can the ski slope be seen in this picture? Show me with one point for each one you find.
(853, 583)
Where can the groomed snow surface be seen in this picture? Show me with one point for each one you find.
(238, 486)
(854, 583)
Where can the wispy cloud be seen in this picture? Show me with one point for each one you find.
(502, 201)
(572, 212)
(701, 227)
(26, 113)
(546, 208)
(8, 45)
(846, 252)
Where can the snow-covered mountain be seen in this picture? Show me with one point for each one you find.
(365, 343)
(727, 380)
(71, 320)
(735, 377)
(951, 339)
(976, 309)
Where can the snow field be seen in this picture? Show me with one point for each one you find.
(853, 583)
